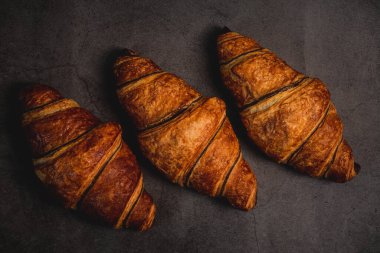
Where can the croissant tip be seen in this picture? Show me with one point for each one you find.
(29, 92)
(128, 52)
(31, 86)
(225, 30)
(357, 168)
(36, 88)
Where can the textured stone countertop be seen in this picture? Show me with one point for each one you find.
(69, 45)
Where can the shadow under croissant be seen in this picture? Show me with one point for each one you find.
(129, 130)
(127, 123)
(24, 170)
(210, 51)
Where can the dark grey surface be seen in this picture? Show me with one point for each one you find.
(70, 45)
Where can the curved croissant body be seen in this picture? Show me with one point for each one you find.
(84, 162)
(187, 137)
(288, 115)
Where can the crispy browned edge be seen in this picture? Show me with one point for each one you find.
(84, 162)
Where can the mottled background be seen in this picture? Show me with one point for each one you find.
(71, 45)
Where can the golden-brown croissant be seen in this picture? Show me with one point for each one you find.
(287, 115)
(185, 136)
(84, 162)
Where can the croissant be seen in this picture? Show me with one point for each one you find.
(288, 115)
(187, 137)
(83, 161)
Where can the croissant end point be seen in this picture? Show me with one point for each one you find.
(225, 30)
(129, 52)
(357, 168)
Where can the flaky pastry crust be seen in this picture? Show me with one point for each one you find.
(186, 137)
(287, 115)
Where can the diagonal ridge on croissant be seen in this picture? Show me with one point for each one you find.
(287, 115)
(186, 136)
(84, 162)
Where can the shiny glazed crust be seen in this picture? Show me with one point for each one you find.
(288, 115)
(84, 162)
(187, 137)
